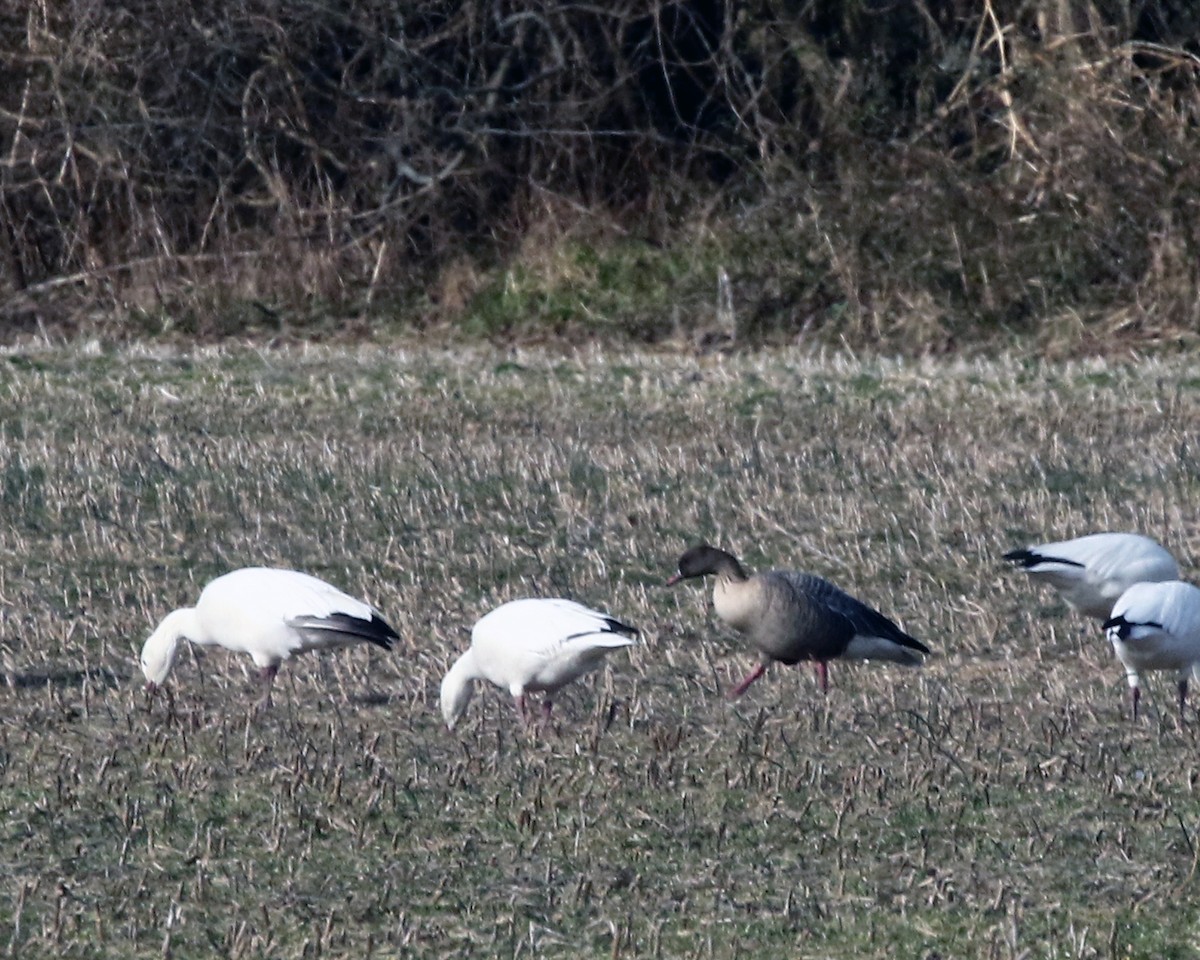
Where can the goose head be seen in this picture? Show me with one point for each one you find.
(704, 559)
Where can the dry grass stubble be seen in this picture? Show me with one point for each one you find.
(997, 803)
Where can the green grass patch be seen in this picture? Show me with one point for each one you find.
(621, 289)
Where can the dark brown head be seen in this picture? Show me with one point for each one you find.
(702, 560)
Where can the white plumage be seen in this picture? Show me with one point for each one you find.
(530, 645)
(270, 614)
(1091, 572)
(1156, 626)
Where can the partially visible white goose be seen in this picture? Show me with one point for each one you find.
(1091, 572)
(270, 614)
(530, 645)
(1156, 626)
(794, 616)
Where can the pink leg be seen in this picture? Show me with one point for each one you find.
(822, 669)
(753, 675)
(522, 712)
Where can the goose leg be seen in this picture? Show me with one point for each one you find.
(753, 675)
(267, 676)
(547, 706)
(1183, 687)
(822, 669)
(522, 712)
(1135, 694)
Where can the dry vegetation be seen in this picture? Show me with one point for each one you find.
(928, 175)
(998, 803)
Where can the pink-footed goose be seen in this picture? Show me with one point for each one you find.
(1091, 572)
(1156, 626)
(534, 644)
(793, 616)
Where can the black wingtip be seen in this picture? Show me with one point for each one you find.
(902, 639)
(384, 634)
(1119, 625)
(918, 645)
(1028, 559)
(1124, 626)
(616, 626)
(376, 630)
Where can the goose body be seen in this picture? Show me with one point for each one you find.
(792, 616)
(270, 614)
(534, 644)
(1091, 572)
(1156, 626)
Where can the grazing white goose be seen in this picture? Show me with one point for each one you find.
(528, 645)
(793, 616)
(271, 615)
(1156, 626)
(1091, 572)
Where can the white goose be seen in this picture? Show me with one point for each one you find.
(529, 645)
(1156, 626)
(271, 615)
(1091, 572)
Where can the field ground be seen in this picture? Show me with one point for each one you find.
(998, 803)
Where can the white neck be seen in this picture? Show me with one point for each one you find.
(158, 654)
(457, 687)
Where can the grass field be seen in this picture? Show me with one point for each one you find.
(998, 803)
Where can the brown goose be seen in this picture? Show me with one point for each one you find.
(797, 616)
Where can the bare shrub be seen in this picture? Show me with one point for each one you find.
(943, 160)
(1048, 180)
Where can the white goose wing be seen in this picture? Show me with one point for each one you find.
(1091, 572)
(273, 612)
(543, 643)
(1157, 615)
